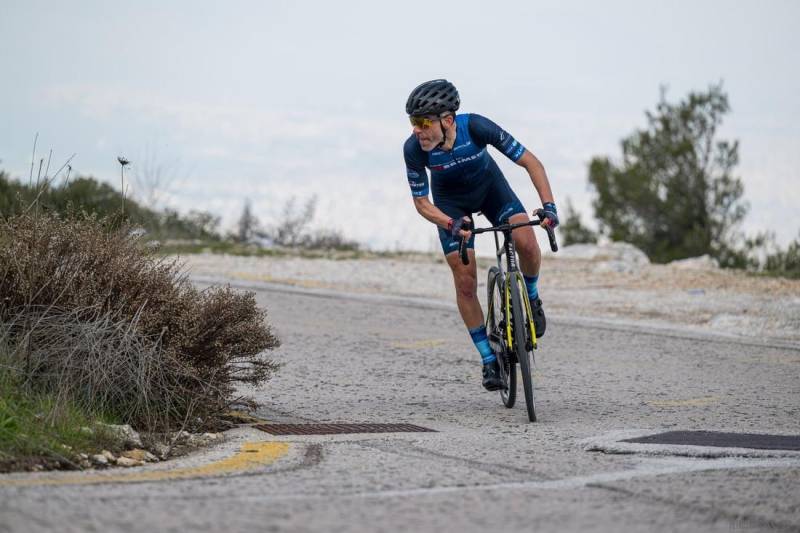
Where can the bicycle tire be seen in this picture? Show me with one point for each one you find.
(519, 326)
(496, 328)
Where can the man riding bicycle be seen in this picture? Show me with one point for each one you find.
(464, 180)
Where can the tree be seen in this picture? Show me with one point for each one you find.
(247, 225)
(572, 229)
(673, 194)
(293, 223)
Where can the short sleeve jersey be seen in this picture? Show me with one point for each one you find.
(468, 166)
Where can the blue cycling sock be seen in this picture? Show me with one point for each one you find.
(530, 282)
(482, 344)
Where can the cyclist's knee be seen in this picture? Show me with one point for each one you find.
(528, 248)
(466, 284)
(526, 244)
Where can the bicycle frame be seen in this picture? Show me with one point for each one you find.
(512, 270)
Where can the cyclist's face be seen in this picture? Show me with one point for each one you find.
(428, 130)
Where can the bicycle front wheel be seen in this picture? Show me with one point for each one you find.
(520, 325)
(496, 326)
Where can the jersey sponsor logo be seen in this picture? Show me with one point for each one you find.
(416, 184)
(412, 174)
(450, 164)
(460, 146)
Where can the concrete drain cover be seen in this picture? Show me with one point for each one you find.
(337, 429)
(722, 440)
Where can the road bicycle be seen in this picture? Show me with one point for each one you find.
(509, 320)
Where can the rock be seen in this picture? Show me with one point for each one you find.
(99, 459)
(86, 430)
(181, 437)
(126, 462)
(125, 434)
(610, 257)
(162, 450)
(140, 455)
(612, 251)
(703, 262)
(83, 456)
(110, 456)
(204, 439)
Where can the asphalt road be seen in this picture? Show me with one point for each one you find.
(391, 360)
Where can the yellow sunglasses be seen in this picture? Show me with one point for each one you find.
(422, 122)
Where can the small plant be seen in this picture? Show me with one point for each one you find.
(122, 164)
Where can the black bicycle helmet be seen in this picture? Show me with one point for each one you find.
(433, 98)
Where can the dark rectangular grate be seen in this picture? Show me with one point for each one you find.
(724, 440)
(339, 428)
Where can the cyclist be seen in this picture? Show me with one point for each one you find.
(464, 180)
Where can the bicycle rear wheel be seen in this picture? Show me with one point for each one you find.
(519, 323)
(496, 327)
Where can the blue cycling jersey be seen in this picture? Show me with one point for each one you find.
(467, 166)
(466, 179)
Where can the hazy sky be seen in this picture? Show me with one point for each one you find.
(265, 100)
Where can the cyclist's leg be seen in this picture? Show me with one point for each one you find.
(465, 279)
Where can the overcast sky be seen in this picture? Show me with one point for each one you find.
(265, 100)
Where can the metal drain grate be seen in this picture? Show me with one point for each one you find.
(336, 429)
(723, 440)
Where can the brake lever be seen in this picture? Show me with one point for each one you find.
(551, 232)
(462, 245)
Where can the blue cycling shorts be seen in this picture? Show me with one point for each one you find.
(496, 201)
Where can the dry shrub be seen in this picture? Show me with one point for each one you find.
(93, 304)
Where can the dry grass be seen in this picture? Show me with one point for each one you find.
(98, 318)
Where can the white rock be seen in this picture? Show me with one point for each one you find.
(99, 459)
(181, 437)
(612, 251)
(703, 262)
(162, 450)
(110, 456)
(126, 434)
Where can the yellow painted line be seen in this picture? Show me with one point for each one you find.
(251, 455)
(689, 402)
(307, 283)
(417, 345)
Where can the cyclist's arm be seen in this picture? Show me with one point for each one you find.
(430, 212)
(535, 169)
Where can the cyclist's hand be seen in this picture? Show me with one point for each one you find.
(459, 227)
(549, 215)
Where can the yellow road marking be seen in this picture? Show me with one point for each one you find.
(417, 345)
(689, 402)
(251, 455)
(307, 283)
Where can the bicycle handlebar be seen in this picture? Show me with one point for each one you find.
(507, 228)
